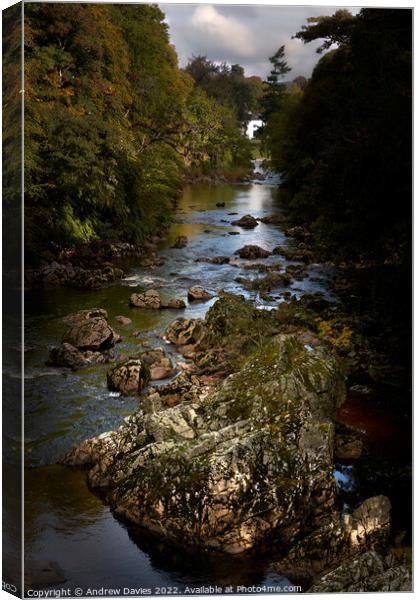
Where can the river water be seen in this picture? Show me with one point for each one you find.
(67, 523)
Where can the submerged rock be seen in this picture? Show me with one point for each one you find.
(123, 320)
(249, 462)
(129, 377)
(42, 573)
(198, 294)
(251, 252)
(220, 260)
(89, 330)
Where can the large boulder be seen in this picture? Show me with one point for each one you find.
(90, 330)
(250, 462)
(251, 252)
(83, 315)
(129, 377)
(247, 222)
(150, 299)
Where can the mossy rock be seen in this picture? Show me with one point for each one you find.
(247, 463)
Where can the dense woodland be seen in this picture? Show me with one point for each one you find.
(112, 124)
(343, 143)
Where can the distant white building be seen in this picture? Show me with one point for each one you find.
(252, 127)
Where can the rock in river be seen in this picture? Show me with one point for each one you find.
(180, 242)
(150, 299)
(67, 355)
(273, 219)
(247, 222)
(129, 377)
(174, 303)
(250, 462)
(251, 252)
(89, 330)
(160, 365)
(197, 294)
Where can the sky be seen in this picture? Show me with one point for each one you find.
(246, 35)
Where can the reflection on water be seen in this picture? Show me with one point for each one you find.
(64, 520)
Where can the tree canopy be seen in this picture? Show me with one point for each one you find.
(343, 145)
(112, 122)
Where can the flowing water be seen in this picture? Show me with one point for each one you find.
(67, 523)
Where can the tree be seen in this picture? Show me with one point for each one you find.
(274, 87)
(349, 155)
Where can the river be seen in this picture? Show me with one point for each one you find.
(64, 521)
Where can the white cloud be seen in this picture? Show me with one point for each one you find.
(225, 31)
(247, 35)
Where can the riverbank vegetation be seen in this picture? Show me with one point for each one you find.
(112, 124)
(343, 143)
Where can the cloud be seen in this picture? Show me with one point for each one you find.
(247, 35)
(225, 31)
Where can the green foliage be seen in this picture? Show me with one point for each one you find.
(110, 123)
(274, 94)
(228, 85)
(343, 146)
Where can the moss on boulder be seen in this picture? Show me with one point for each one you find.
(249, 462)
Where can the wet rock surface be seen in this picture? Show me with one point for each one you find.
(198, 294)
(89, 330)
(180, 242)
(249, 460)
(159, 364)
(182, 332)
(149, 299)
(251, 252)
(247, 222)
(66, 274)
(273, 220)
(129, 377)
(368, 572)
(67, 355)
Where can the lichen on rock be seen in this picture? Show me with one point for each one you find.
(248, 461)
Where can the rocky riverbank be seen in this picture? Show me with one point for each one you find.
(237, 452)
(92, 265)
